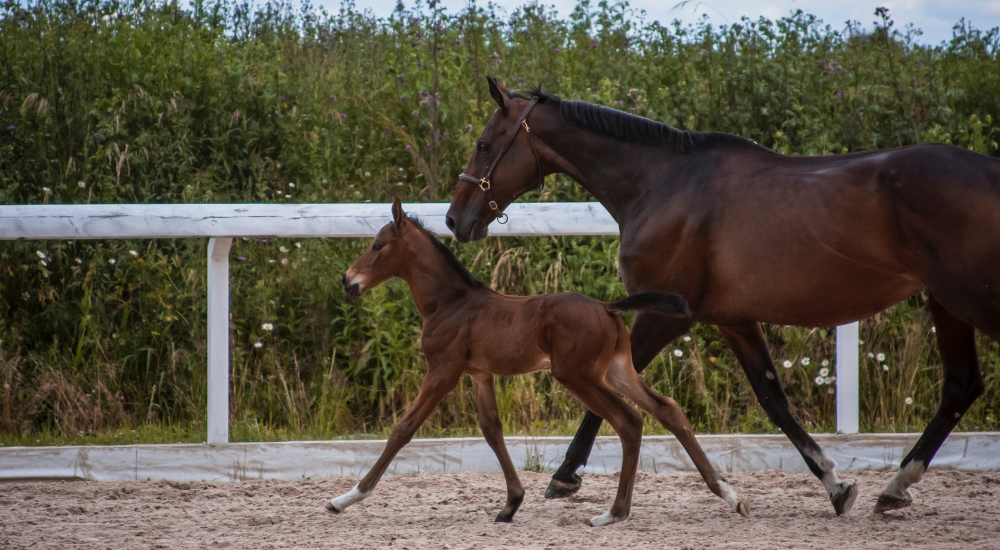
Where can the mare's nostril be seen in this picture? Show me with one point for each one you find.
(450, 222)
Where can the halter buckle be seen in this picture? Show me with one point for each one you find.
(493, 206)
(525, 124)
(484, 184)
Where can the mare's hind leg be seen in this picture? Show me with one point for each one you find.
(963, 383)
(489, 422)
(748, 344)
(651, 332)
(623, 379)
(435, 386)
(589, 387)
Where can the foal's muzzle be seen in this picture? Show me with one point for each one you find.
(352, 289)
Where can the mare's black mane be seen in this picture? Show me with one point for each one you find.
(450, 258)
(619, 124)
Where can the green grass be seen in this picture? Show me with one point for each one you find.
(145, 102)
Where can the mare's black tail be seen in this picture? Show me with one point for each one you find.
(667, 303)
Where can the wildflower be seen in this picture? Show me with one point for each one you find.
(298, 245)
(284, 261)
(494, 55)
(112, 261)
(44, 264)
(133, 253)
(415, 113)
(79, 261)
(82, 184)
(787, 364)
(885, 368)
(283, 249)
(880, 357)
(824, 372)
(593, 45)
(687, 338)
(368, 174)
(46, 189)
(469, 128)
(871, 355)
(678, 353)
(333, 97)
(831, 379)
(819, 380)
(11, 127)
(933, 329)
(281, 99)
(292, 185)
(343, 115)
(557, 50)
(407, 147)
(258, 345)
(270, 261)
(830, 391)
(908, 400)
(457, 42)
(242, 258)
(288, 196)
(400, 77)
(402, 99)
(805, 361)
(825, 363)
(267, 326)
(40, 254)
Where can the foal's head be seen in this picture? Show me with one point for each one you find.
(396, 246)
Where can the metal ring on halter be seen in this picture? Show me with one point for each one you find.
(484, 184)
(504, 220)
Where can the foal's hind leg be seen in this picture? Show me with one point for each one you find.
(435, 386)
(489, 422)
(963, 383)
(748, 344)
(625, 380)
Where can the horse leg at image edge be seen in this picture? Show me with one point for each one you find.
(748, 344)
(489, 423)
(650, 334)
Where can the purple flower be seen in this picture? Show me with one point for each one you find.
(620, 102)
(581, 51)
(343, 115)
(400, 77)
(467, 59)
(457, 42)
(407, 147)
(593, 45)
(469, 128)
(420, 63)
(333, 97)
(11, 127)
(281, 99)
(557, 49)
(837, 94)
(402, 99)
(446, 162)
(241, 258)
(429, 148)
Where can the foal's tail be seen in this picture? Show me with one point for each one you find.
(667, 303)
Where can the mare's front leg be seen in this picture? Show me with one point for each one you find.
(489, 422)
(437, 384)
(650, 333)
(748, 343)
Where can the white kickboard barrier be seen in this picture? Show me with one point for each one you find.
(327, 459)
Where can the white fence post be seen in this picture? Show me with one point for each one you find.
(848, 352)
(218, 339)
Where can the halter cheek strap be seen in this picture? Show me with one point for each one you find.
(484, 182)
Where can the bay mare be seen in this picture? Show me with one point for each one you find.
(748, 235)
(470, 329)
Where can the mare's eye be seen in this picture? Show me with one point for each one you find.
(377, 246)
(484, 147)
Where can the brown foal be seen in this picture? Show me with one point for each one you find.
(469, 328)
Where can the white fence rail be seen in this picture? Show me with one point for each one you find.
(222, 222)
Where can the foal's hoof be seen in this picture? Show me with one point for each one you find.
(504, 518)
(887, 502)
(605, 519)
(743, 508)
(562, 489)
(843, 496)
(331, 508)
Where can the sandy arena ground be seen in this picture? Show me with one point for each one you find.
(952, 510)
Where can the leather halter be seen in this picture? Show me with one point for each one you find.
(484, 182)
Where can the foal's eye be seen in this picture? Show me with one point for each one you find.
(484, 147)
(377, 246)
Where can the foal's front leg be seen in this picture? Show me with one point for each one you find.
(489, 422)
(435, 386)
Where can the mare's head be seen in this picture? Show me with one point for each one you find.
(517, 172)
(395, 247)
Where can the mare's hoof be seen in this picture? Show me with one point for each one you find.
(887, 502)
(504, 518)
(605, 519)
(843, 496)
(561, 489)
(331, 508)
(743, 508)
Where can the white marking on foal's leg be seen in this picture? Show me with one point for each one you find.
(341, 503)
(605, 519)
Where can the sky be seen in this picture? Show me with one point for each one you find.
(934, 17)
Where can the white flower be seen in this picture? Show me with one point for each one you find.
(787, 364)
(40, 254)
(908, 400)
(288, 196)
(368, 174)
(283, 249)
(284, 261)
(258, 345)
(43, 263)
(933, 329)
(292, 185)
(267, 326)
(112, 261)
(885, 368)
(133, 252)
(270, 261)
(819, 380)
(687, 338)
(298, 245)
(82, 184)
(678, 353)
(831, 379)
(805, 361)
(46, 189)
(79, 261)
(880, 357)
(824, 372)
(830, 391)
(825, 363)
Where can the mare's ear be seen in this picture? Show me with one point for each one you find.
(498, 92)
(398, 217)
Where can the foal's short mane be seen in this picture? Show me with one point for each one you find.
(619, 124)
(450, 258)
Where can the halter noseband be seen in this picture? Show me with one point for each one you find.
(484, 182)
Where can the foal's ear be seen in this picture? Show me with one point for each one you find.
(498, 92)
(398, 217)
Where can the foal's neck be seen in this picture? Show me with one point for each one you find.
(433, 283)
